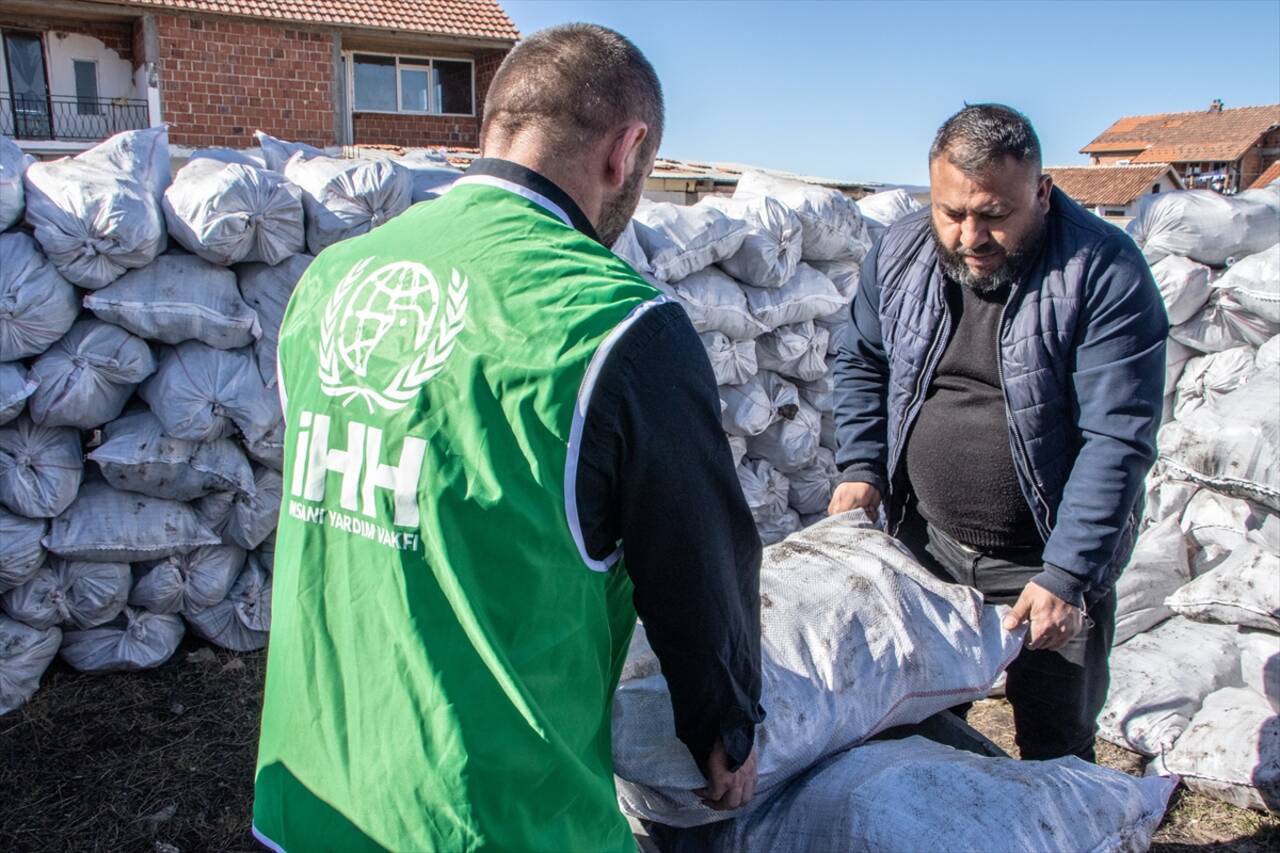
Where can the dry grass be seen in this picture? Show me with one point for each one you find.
(163, 761)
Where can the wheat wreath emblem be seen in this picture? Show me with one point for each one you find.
(427, 362)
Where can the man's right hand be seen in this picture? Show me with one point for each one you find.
(728, 789)
(849, 496)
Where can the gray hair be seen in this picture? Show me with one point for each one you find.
(574, 83)
(982, 134)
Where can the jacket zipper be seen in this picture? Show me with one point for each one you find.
(1022, 456)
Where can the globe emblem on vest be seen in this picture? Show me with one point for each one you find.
(387, 332)
(401, 297)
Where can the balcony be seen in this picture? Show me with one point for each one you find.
(68, 118)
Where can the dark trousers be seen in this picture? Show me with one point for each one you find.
(1056, 695)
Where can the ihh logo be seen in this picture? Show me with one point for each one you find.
(361, 467)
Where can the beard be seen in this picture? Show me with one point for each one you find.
(618, 210)
(1016, 263)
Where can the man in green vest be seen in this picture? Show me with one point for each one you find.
(502, 445)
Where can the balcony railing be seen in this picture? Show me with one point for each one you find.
(70, 118)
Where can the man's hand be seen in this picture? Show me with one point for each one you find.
(849, 496)
(1053, 621)
(728, 789)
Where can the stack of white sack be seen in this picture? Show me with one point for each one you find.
(141, 435)
(766, 278)
(1195, 675)
(858, 638)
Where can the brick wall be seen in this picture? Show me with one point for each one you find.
(1254, 162)
(116, 35)
(413, 131)
(487, 62)
(220, 80)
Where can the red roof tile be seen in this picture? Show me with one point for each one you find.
(1092, 186)
(1187, 137)
(1268, 176)
(483, 19)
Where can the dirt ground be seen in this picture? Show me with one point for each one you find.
(162, 761)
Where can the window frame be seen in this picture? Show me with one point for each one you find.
(97, 99)
(413, 61)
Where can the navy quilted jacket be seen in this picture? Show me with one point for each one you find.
(1082, 353)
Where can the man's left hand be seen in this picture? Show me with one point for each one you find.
(1053, 621)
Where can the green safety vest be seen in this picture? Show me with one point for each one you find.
(443, 652)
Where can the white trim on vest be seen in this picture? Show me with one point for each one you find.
(264, 841)
(524, 192)
(575, 435)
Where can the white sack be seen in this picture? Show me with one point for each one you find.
(790, 444)
(185, 583)
(65, 592)
(837, 325)
(1207, 378)
(628, 247)
(856, 638)
(764, 487)
(1157, 568)
(807, 296)
(179, 298)
(1177, 357)
(243, 156)
(266, 289)
(1268, 354)
(844, 274)
(430, 178)
(914, 795)
(715, 303)
(25, 653)
(86, 378)
(1244, 589)
(16, 387)
(1215, 526)
(882, 209)
(37, 305)
(1184, 286)
(820, 393)
(810, 488)
(255, 514)
(277, 152)
(133, 640)
(229, 212)
(771, 250)
(40, 468)
(738, 448)
(732, 362)
(345, 198)
(832, 225)
(1231, 751)
(774, 528)
(241, 621)
(200, 393)
(13, 162)
(1222, 324)
(1254, 281)
(679, 241)
(1166, 496)
(114, 526)
(269, 450)
(21, 548)
(137, 456)
(750, 408)
(1160, 678)
(98, 214)
(797, 352)
(1260, 664)
(1202, 225)
(1232, 445)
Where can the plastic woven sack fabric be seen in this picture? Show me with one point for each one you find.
(37, 305)
(86, 378)
(882, 209)
(109, 525)
(98, 214)
(345, 198)
(431, 174)
(15, 388)
(40, 468)
(137, 456)
(764, 487)
(810, 488)
(1184, 286)
(25, 653)
(243, 156)
(133, 640)
(831, 222)
(1207, 378)
(732, 362)
(185, 583)
(856, 638)
(1222, 324)
(844, 274)
(229, 212)
(807, 296)
(179, 298)
(777, 527)
(679, 241)
(1157, 568)
(790, 444)
(628, 247)
(242, 620)
(750, 408)
(796, 352)
(75, 594)
(200, 393)
(1254, 281)
(715, 303)
(1244, 589)
(1260, 664)
(1203, 225)
(277, 152)
(13, 162)
(267, 289)
(771, 250)
(21, 548)
(254, 514)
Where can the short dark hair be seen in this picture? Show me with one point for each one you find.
(981, 134)
(573, 83)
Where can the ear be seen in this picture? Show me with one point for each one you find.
(1043, 191)
(623, 153)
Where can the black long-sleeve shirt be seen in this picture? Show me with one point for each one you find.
(656, 474)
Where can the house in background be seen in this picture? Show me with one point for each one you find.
(1114, 192)
(1221, 149)
(1270, 176)
(326, 72)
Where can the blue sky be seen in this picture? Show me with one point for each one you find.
(855, 90)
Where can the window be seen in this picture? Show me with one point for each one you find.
(412, 85)
(1111, 211)
(1155, 188)
(87, 88)
(28, 85)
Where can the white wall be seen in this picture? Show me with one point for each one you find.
(115, 75)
